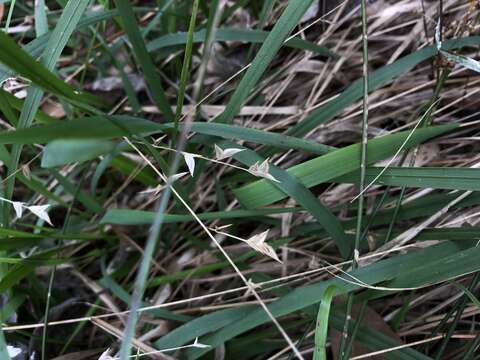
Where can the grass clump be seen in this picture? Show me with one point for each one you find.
(239, 179)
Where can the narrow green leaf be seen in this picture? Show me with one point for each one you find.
(282, 141)
(467, 292)
(41, 24)
(62, 152)
(321, 330)
(93, 127)
(187, 60)
(18, 60)
(136, 41)
(377, 79)
(138, 217)
(325, 168)
(233, 34)
(437, 178)
(461, 60)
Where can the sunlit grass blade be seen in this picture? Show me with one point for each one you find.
(431, 177)
(325, 168)
(138, 217)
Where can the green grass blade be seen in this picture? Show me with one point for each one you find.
(173, 41)
(321, 330)
(289, 185)
(436, 178)
(274, 41)
(93, 127)
(325, 168)
(62, 152)
(60, 35)
(187, 60)
(136, 40)
(467, 292)
(377, 79)
(138, 217)
(282, 141)
(41, 24)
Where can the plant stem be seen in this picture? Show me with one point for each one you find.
(363, 166)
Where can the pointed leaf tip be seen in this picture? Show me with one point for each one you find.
(175, 177)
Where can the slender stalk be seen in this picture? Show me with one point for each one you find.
(472, 349)
(363, 166)
(358, 322)
(427, 120)
(459, 311)
(213, 22)
(9, 16)
(140, 281)
(187, 59)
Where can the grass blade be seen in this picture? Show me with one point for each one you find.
(18, 60)
(144, 59)
(377, 79)
(60, 35)
(285, 24)
(289, 185)
(325, 168)
(437, 178)
(187, 60)
(321, 330)
(170, 42)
